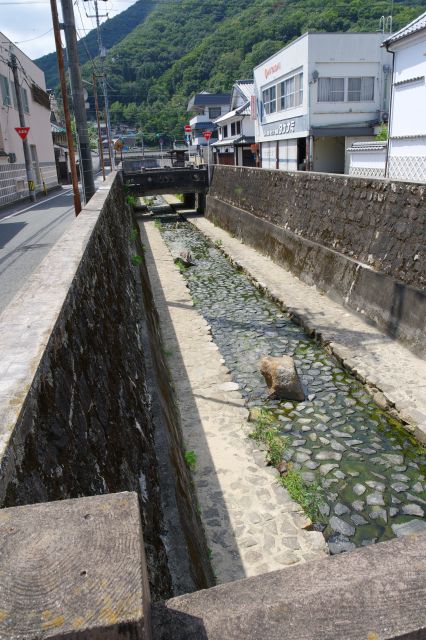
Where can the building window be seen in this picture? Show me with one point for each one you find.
(298, 91)
(360, 89)
(238, 127)
(291, 92)
(225, 131)
(214, 112)
(5, 91)
(331, 90)
(287, 93)
(270, 100)
(232, 128)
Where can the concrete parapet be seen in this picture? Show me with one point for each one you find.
(375, 593)
(75, 412)
(74, 569)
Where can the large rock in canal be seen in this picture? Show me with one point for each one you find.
(282, 378)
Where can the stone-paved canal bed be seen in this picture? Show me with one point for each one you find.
(371, 471)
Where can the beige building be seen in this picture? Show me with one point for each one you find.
(13, 180)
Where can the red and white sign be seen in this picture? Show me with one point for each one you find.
(207, 135)
(22, 132)
(188, 128)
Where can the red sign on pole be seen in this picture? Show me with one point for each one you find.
(188, 128)
(22, 132)
(207, 135)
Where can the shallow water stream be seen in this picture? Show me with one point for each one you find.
(371, 471)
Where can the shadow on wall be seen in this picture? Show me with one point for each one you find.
(218, 510)
(396, 311)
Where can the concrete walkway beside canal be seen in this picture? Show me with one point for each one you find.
(396, 377)
(251, 524)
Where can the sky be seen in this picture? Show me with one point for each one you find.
(28, 23)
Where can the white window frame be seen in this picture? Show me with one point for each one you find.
(366, 84)
(269, 98)
(291, 92)
(332, 89)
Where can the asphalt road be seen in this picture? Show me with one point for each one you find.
(27, 233)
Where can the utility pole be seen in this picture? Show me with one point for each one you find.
(61, 68)
(101, 150)
(78, 99)
(102, 55)
(28, 162)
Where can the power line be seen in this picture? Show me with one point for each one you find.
(36, 38)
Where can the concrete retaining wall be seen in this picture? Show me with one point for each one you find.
(75, 414)
(361, 241)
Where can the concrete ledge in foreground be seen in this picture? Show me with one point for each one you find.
(74, 569)
(374, 593)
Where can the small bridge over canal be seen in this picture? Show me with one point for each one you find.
(143, 177)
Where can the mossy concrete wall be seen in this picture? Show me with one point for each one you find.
(361, 241)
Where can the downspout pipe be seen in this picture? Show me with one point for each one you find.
(390, 113)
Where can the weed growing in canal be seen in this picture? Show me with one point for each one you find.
(309, 496)
(266, 433)
(131, 200)
(133, 235)
(167, 352)
(136, 260)
(218, 244)
(190, 459)
(181, 265)
(158, 224)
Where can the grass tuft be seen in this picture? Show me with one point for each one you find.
(190, 459)
(158, 224)
(309, 496)
(136, 260)
(131, 200)
(133, 235)
(265, 432)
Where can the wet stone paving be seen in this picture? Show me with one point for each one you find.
(372, 473)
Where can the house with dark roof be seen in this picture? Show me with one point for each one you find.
(407, 125)
(206, 107)
(235, 144)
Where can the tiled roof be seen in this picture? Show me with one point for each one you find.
(246, 87)
(416, 25)
(209, 99)
(241, 111)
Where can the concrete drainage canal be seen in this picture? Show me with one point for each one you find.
(355, 470)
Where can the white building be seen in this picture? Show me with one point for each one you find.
(206, 107)
(13, 179)
(236, 129)
(316, 96)
(407, 130)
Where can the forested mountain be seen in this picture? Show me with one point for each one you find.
(186, 46)
(112, 30)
